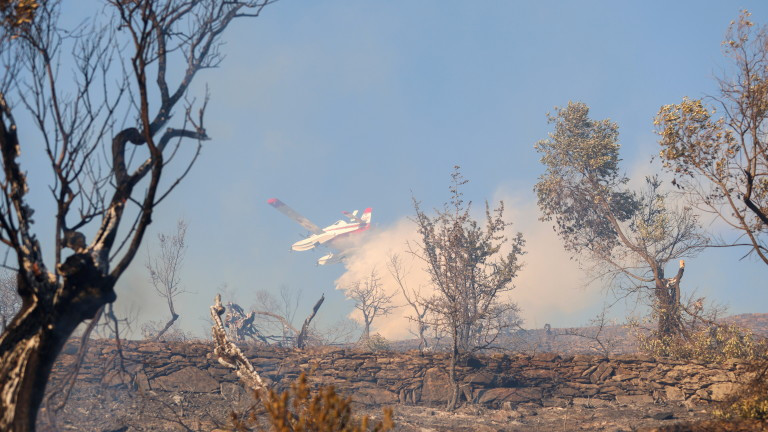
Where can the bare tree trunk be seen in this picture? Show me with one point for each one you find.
(286, 325)
(29, 346)
(174, 317)
(26, 367)
(63, 388)
(164, 269)
(453, 402)
(76, 140)
(422, 338)
(371, 300)
(668, 303)
(301, 339)
(414, 299)
(33, 339)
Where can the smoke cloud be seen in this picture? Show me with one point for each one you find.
(374, 255)
(549, 289)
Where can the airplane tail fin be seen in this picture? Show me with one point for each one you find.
(366, 216)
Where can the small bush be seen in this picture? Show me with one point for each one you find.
(714, 343)
(299, 409)
(754, 407)
(751, 401)
(375, 342)
(717, 343)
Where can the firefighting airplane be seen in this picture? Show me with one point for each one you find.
(328, 236)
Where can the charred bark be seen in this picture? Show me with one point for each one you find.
(75, 131)
(33, 340)
(301, 339)
(174, 317)
(63, 388)
(668, 305)
(453, 402)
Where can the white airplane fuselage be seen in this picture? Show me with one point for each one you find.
(327, 235)
(340, 228)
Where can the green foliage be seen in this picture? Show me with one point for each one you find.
(720, 161)
(582, 180)
(715, 343)
(300, 409)
(583, 191)
(692, 140)
(628, 236)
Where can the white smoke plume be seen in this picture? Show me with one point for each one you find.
(549, 289)
(374, 254)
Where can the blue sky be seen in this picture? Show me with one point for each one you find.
(342, 105)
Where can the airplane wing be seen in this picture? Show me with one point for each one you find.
(291, 213)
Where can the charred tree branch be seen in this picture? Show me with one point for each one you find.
(301, 339)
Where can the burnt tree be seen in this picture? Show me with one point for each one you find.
(471, 267)
(414, 298)
(301, 339)
(371, 300)
(164, 270)
(107, 134)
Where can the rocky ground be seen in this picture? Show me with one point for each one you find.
(576, 417)
(177, 386)
(98, 410)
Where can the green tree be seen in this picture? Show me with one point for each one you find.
(107, 133)
(721, 162)
(628, 236)
(470, 270)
